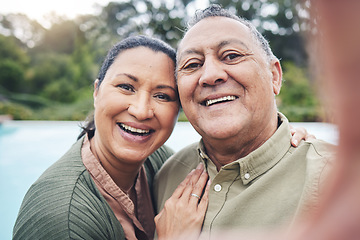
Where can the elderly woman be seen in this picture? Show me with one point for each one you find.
(100, 188)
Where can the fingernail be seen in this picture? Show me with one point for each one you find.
(200, 166)
(295, 142)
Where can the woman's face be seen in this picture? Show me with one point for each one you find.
(136, 106)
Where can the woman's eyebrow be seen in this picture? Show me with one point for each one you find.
(165, 86)
(135, 79)
(132, 77)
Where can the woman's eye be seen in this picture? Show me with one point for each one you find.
(126, 87)
(163, 96)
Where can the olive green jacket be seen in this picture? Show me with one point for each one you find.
(64, 203)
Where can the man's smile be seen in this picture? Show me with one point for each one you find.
(218, 100)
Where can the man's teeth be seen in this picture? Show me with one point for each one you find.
(135, 130)
(227, 98)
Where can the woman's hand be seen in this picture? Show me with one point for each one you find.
(299, 134)
(183, 213)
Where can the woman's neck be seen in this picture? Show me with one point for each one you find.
(123, 176)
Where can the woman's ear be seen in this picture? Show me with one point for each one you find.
(276, 76)
(96, 89)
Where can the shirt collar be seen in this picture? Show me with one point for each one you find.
(257, 162)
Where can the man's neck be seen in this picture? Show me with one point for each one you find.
(222, 152)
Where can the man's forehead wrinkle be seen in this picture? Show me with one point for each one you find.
(219, 45)
(230, 41)
(189, 51)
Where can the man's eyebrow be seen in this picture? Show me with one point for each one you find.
(234, 40)
(189, 52)
(220, 45)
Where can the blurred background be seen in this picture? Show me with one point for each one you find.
(51, 51)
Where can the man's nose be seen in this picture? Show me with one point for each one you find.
(141, 107)
(213, 73)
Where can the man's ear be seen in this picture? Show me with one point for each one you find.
(276, 75)
(96, 89)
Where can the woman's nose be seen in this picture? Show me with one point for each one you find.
(141, 107)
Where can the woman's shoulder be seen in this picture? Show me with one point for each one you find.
(64, 198)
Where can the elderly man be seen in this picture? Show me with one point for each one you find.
(228, 78)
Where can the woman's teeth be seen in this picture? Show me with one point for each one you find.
(133, 130)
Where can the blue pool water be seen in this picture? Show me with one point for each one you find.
(27, 148)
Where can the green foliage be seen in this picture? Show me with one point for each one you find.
(279, 21)
(12, 65)
(60, 38)
(61, 91)
(17, 111)
(47, 73)
(182, 117)
(297, 99)
(162, 19)
(47, 68)
(77, 111)
(11, 75)
(12, 51)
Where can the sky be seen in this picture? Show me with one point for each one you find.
(38, 9)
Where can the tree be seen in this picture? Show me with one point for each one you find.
(13, 64)
(60, 38)
(282, 22)
(161, 19)
(11, 75)
(297, 99)
(27, 31)
(12, 49)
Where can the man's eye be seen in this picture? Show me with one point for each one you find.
(232, 56)
(126, 87)
(192, 65)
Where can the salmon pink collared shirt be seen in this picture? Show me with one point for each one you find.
(136, 217)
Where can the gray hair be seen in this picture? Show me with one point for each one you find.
(215, 10)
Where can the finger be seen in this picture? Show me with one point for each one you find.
(292, 131)
(198, 188)
(309, 137)
(298, 135)
(197, 173)
(192, 182)
(189, 180)
(205, 199)
(180, 188)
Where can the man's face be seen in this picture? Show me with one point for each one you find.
(226, 84)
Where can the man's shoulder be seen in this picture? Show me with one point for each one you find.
(317, 148)
(183, 159)
(314, 161)
(315, 158)
(173, 172)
